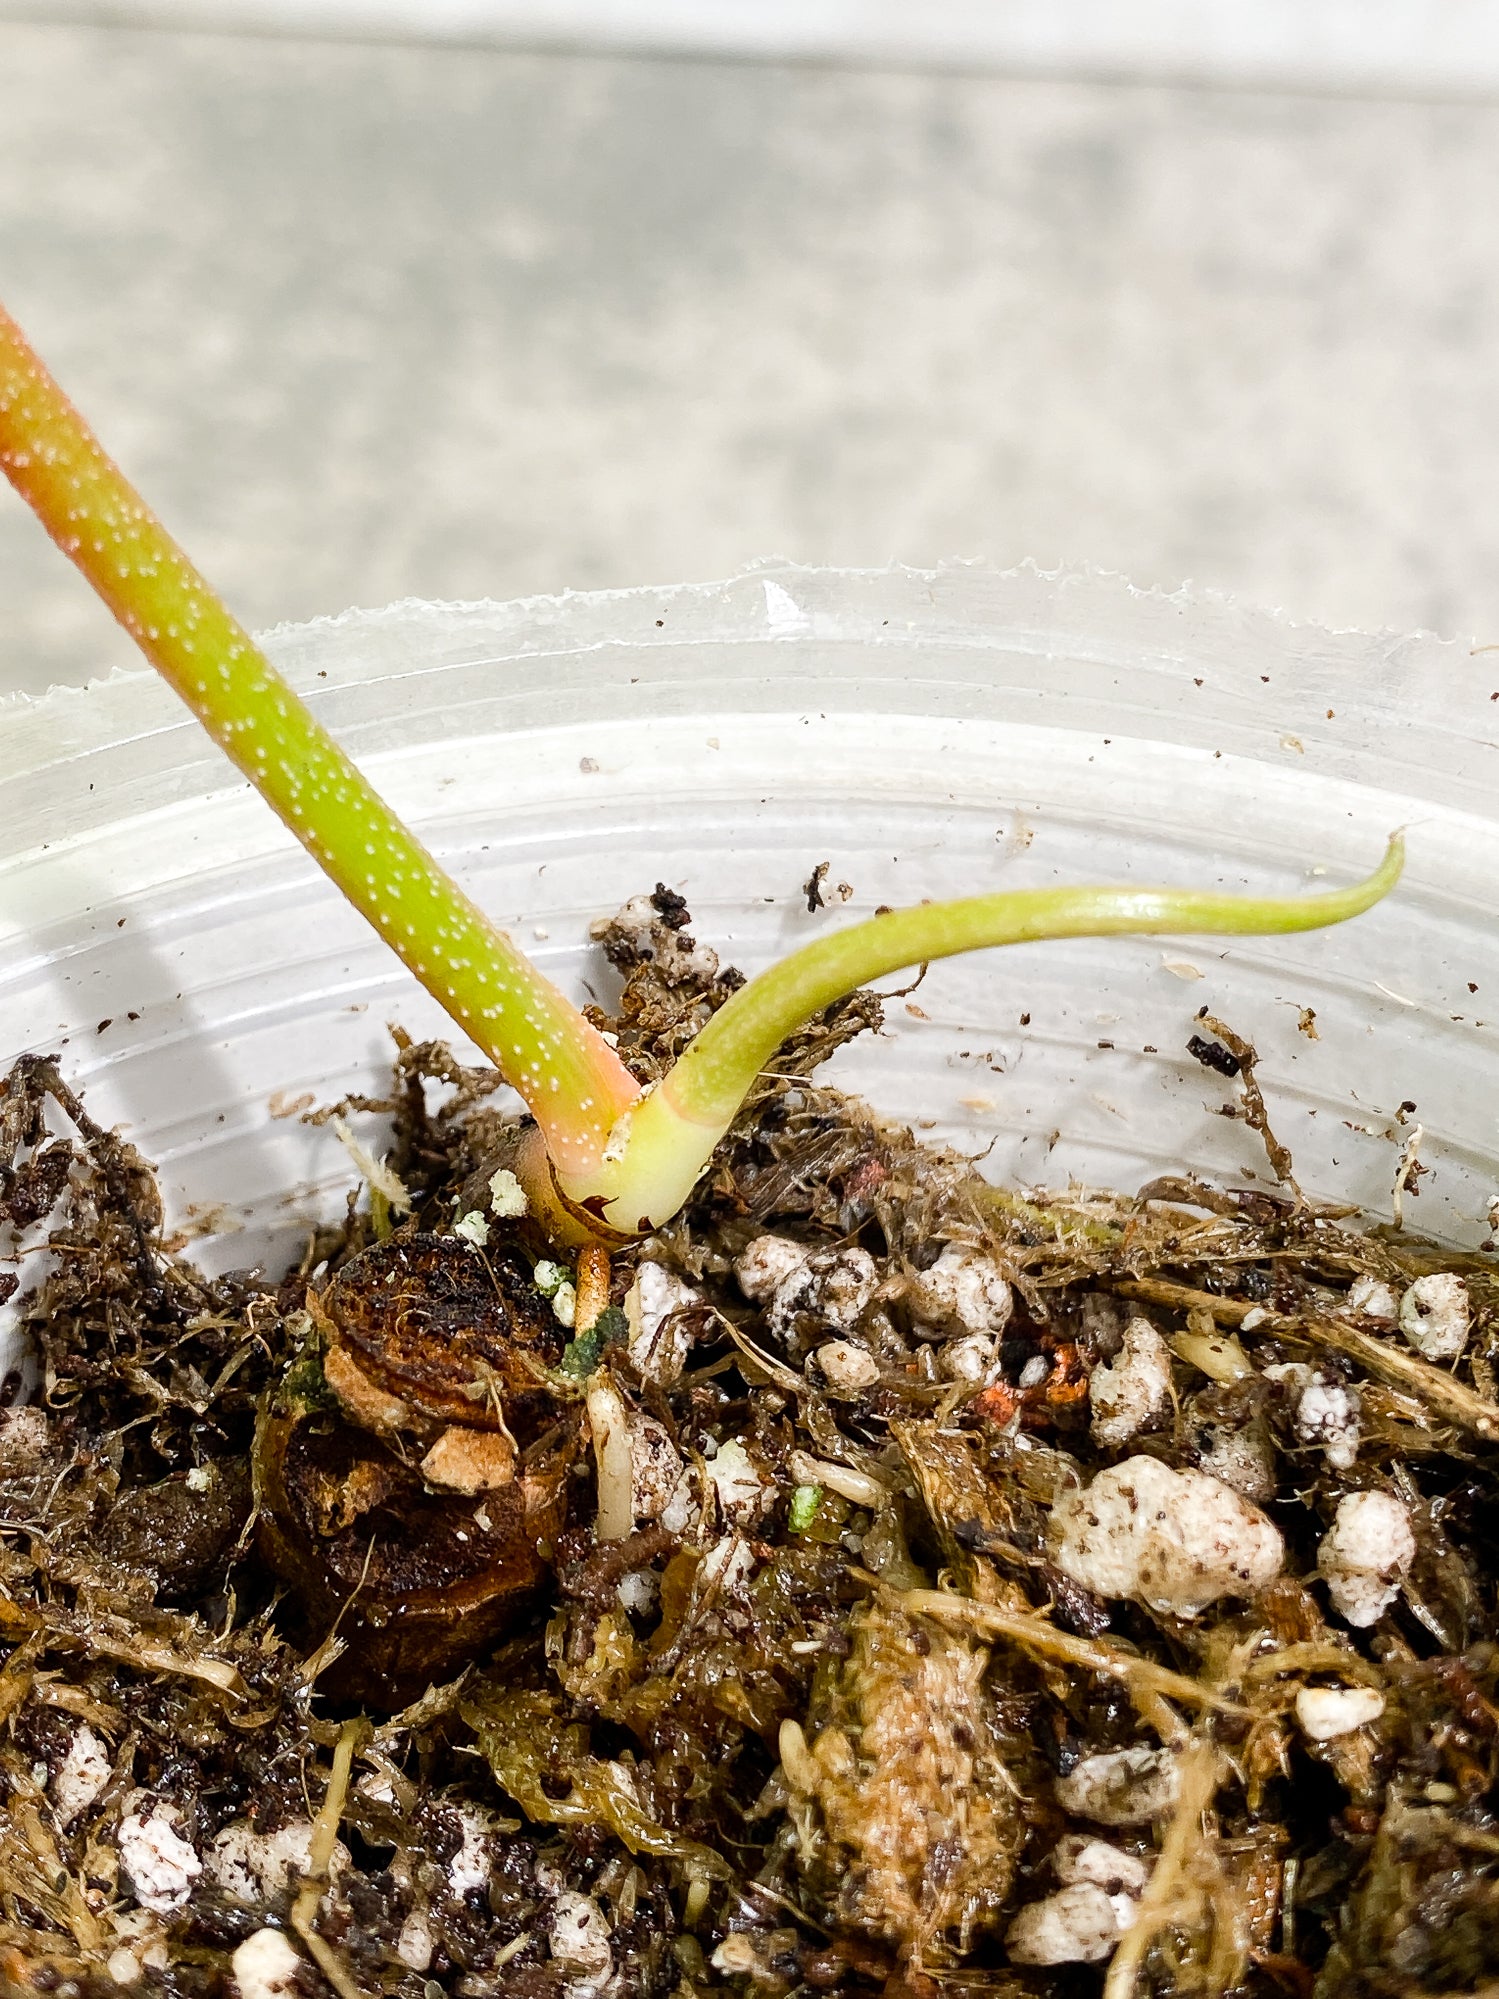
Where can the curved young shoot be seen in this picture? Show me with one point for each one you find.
(620, 1160)
(570, 1077)
(663, 1143)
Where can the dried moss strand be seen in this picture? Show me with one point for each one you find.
(57, 1627)
(329, 1818)
(1167, 1898)
(1034, 1634)
(1315, 1657)
(1442, 1393)
(570, 1077)
(18, 1675)
(1050, 1223)
(319, 1858)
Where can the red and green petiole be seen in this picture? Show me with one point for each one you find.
(622, 1159)
(566, 1070)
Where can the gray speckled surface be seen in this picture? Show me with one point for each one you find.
(375, 321)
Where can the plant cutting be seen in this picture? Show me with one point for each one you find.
(608, 1159)
(822, 1572)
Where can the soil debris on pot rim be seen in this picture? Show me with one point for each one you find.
(1006, 1592)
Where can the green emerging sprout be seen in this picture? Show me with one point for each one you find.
(609, 1160)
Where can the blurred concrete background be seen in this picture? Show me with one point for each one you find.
(374, 319)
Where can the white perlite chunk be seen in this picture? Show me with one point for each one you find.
(252, 1866)
(639, 1591)
(1133, 1390)
(471, 1866)
(1177, 1540)
(565, 1303)
(1080, 1857)
(414, 1946)
(140, 1945)
(1364, 1554)
(265, 1966)
(847, 1367)
(1373, 1298)
(1327, 1412)
(1122, 1786)
(743, 1495)
(684, 1509)
(970, 1357)
(1434, 1315)
(579, 1937)
(965, 1291)
(660, 1341)
(725, 1569)
(159, 1862)
(765, 1264)
(736, 1955)
(1328, 1712)
(1077, 1925)
(81, 1776)
(655, 1467)
(634, 923)
(473, 1229)
(701, 962)
(1241, 1459)
(832, 1287)
(507, 1197)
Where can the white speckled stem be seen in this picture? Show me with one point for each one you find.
(570, 1077)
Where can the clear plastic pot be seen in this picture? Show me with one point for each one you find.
(926, 734)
